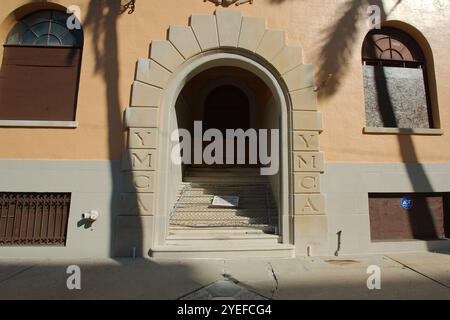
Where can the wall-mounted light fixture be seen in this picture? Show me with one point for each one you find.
(127, 5)
(226, 3)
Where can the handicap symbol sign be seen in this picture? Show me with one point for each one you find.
(407, 202)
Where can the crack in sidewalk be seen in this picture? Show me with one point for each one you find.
(272, 270)
(17, 273)
(418, 272)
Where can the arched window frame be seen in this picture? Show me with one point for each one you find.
(415, 54)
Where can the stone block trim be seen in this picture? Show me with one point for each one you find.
(252, 32)
(141, 118)
(143, 138)
(228, 27)
(140, 182)
(166, 55)
(183, 39)
(140, 160)
(271, 44)
(137, 204)
(205, 29)
(305, 140)
(310, 204)
(224, 30)
(306, 183)
(150, 72)
(145, 95)
(308, 162)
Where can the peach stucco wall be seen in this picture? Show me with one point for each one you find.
(109, 64)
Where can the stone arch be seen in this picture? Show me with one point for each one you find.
(225, 37)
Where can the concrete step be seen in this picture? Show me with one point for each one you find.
(227, 179)
(251, 212)
(243, 202)
(183, 239)
(228, 230)
(226, 250)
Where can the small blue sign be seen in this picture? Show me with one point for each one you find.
(407, 202)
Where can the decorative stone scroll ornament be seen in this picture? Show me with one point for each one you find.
(226, 3)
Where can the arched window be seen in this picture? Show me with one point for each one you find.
(395, 81)
(40, 69)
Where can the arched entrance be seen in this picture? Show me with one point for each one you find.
(240, 109)
(222, 42)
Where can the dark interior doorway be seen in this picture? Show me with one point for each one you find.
(227, 107)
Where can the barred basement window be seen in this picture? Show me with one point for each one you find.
(395, 81)
(34, 219)
(40, 69)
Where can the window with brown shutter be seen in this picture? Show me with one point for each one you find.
(40, 69)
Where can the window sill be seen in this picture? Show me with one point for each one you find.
(38, 124)
(404, 131)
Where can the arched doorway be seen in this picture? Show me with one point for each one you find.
(240, 108)
(224, 40)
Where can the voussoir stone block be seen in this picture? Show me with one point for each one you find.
(305, 99)
(184, 40)
(306, 141)
(288, 59)
(152, 73)
(228, 26)
(300, 77)
(309, 162)
(205, 29)
(252, 31)
(141, 117)
(309, 204)
(307, 121)
(166, 55)
(144, 95)
(143, 138)
(271, 44)
(139, 160)
(307, 182)
(140, 181)
(137, 204)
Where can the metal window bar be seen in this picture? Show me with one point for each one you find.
(34, 219)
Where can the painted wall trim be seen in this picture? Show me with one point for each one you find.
(404, 131)
(38, 124)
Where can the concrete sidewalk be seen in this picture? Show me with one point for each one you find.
(403, 276)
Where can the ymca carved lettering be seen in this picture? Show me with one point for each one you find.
(140, 182)
(143, 138)
(137, 204)
(307, 183)
(306, 141)
(308, 162)
(313, 204)
(140, 160)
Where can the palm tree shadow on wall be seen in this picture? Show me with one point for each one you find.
(101, 21)
(334, 54)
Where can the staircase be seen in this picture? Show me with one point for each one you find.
(198, 230)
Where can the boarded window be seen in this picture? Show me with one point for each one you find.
(40, 69)
(427, 219)
(395, 81)
(34, 219)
